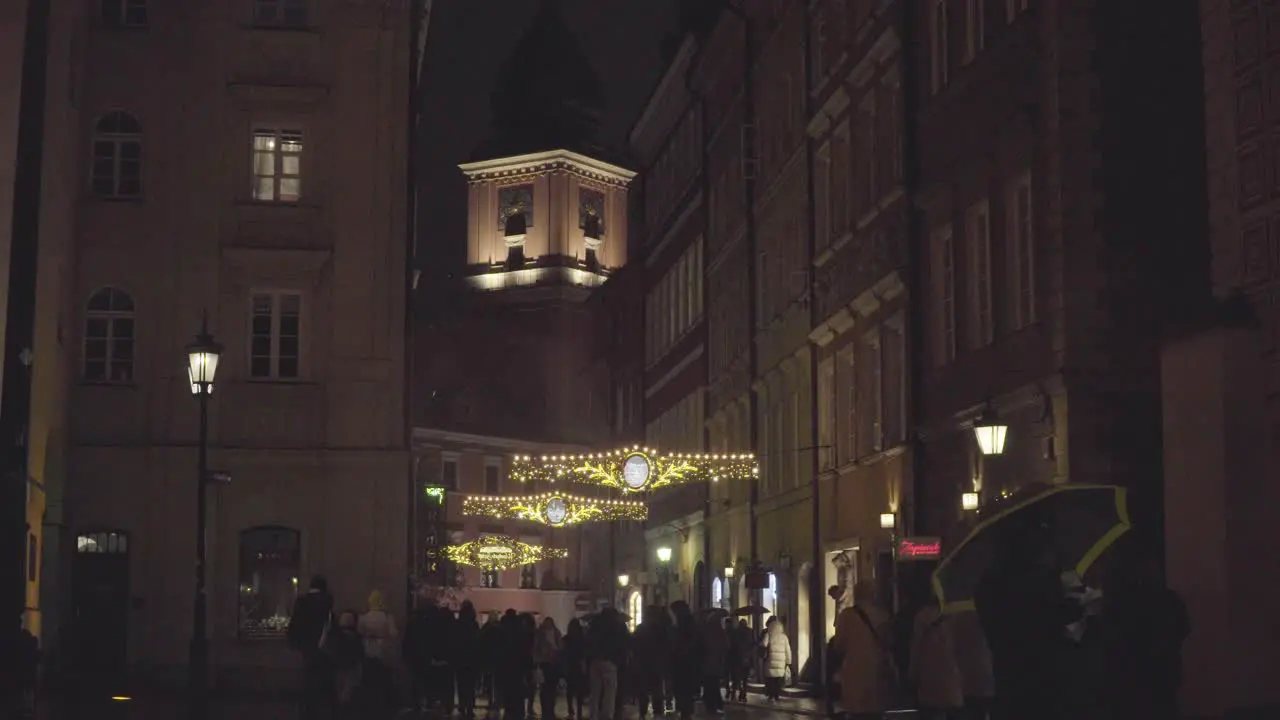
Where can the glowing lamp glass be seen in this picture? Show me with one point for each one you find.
(624, 580)
(664, 554)
(887, 520)
(991, 437)
(728, 571)
(202, 363)
(969, 501)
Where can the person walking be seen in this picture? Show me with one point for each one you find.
(974, 660)
(465, 655)
(686, 659)
(574, 666)
(347, 654)
(308, 630)
(416, 651)
(715, 659)
(868, 678)
(606, 643)
(546, 657)
(651, 646)
(513, 666)
(934, 670)
(377, 629)
(490, 658)
(777, 658)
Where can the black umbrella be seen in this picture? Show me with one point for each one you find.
(1077, 523)
(747, 610)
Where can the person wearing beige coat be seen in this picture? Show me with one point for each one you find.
(935, 670)
(867, 674)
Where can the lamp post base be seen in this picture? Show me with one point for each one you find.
(198, 680)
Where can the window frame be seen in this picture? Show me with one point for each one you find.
(496, 465)
(1022, 251)
(279, 133)
(118, 141)
(242, 632)
(122, 21)
(981, 282)
(277, 19)
(111, 317)
(939, 46)
(447, 459)
(943, 281)
(277, 295)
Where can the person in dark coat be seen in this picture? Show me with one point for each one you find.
(490, 652)
(742, 654)
(466, 658)
(1024, 614)
(514, 666)
(651, 646)
(416, 651)
(714, 662)
(308, 627)
(575, 668)
(686, 658)
(1144, 625)
(607, 642)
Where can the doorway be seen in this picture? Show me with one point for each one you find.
(100, 608)
(841, 571)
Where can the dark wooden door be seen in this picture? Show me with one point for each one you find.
(100, 608)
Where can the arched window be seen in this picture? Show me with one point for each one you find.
(124, 13)
(717, 593)
(269, 567)
(635, 609)
(108, 337)
(117, 156)
(108, 542)
(769, 596)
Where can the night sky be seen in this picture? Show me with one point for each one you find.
(468, 41)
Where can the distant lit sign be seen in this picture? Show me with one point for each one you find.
(919, 548)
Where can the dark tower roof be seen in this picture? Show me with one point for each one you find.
(547, 97)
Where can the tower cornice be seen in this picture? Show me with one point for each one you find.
(541, 163)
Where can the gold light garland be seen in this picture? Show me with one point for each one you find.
(554, 509)
(500, 552)
(635, 469)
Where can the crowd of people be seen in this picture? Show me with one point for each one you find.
(1040, 645)
(517, 666)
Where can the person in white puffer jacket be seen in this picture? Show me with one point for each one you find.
(777, 657)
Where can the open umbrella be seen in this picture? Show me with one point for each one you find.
(1076, 522)
(748, 610)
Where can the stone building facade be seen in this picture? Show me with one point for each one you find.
(216, 175)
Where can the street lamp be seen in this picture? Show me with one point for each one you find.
(664, 571)
(887, 520)
(202, 365)
(969, 501)
(624, 580)
(990, 434)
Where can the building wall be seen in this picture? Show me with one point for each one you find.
(322, 453)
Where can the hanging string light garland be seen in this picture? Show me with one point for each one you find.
(500, 552)
(554, 509)
(635, 469)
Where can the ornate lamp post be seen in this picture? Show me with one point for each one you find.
(202, 365)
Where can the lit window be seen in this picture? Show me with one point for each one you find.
(269, 567)
(280, 13)
(635, 610)
(108, 337)
(489, 578)
(717, 593)
(117, 156)
(277, 165)
(112, 542)
(275, 348)
(124, 13)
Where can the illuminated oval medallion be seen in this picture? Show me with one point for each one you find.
(556, 511)
(635, 471)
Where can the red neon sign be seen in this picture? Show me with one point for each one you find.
(920, 548)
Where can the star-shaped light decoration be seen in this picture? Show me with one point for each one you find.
(554, 509)
(635, 469)
(500, 552)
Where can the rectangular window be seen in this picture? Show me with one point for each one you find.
(847, 420)
(870, 395)
(280, 13)
(275, 336)
(982, 328)
(826, 413)
(822, 198)
(489, 578)
(841, 181)
(492, 478)
(944, 296)
(1022, 252)
(528, 577)
(938, 30)
(894, 354)
(975, 29)
(277, 165)
(449, 473)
